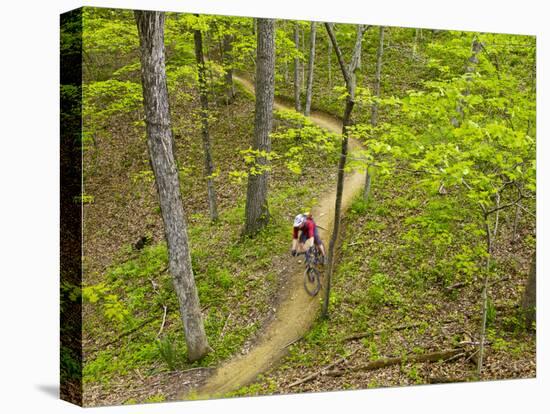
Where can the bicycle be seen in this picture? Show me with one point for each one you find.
(312, 275)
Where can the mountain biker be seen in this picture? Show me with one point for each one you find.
(309, 235)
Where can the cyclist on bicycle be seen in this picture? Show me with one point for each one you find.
(308, 235)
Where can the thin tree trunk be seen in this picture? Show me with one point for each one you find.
(516, 222)
(374, 108)
(470, 68)
(297, 87)
(484, 297)
(203, 96)
(228, 65)
(303, 67)
(378, 77)
(497, 216)
(338, 204)
(355, 63)
(257, 212)
(415, 45)
(311, 64)
(347, 72)
(368, 180)
(161, 151)
(329, 64)
(529, 301)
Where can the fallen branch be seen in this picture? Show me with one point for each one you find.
(222, 333)
(292, 342)
(473, 343)
(322, 370)
(456, 286)
(386, 362)
(495, 282)
(470, 358)
(190, 370)
(444, 380)
(163, 321)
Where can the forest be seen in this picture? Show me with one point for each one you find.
(203, 136)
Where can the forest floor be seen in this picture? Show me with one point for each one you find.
(242, 284)
(296, 310)
(263, 325)
(386, 305)
(389, 300)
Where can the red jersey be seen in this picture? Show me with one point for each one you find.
(308, 229)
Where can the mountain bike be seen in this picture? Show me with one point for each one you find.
(312, 275)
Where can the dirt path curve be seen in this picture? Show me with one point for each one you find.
(298, 310)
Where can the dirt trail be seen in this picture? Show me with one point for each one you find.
(297, 311)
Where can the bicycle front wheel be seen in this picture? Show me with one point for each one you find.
(312, 281)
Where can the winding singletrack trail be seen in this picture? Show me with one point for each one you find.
(297, 311)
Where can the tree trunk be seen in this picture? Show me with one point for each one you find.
(529, 301)
(377, 81)
(228, 66)
(203, 95)
(311, 64)
(374, 108)
(355, 63)
(302, 66)
(257, 212)
(338, 203)
(329, 64)
(161, 151)
(368, 180)
(347, 72)
(415, 46)
(484, 297)
(297, 86)
(470, 68)
(516, 222)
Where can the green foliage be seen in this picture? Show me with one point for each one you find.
(437, 229)
(319, 333)
(70, 364)
(491, 313)
(381, 291)
(168, 352)
(413, 373)
(113, 309)
(103, 99)
(359, 206)
(155, 398)
(263, 386)
(301, 138)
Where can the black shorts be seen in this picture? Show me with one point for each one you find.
(317, 240)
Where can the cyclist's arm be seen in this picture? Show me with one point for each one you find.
(294, 239)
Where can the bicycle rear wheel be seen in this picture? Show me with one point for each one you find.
(312, 281)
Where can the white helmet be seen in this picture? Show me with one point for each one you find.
(299, 220)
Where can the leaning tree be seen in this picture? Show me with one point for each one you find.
(161, 152)
(348, 71)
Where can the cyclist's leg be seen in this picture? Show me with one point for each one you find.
(319, 242)
(301, 243)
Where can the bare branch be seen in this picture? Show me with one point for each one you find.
(322, 370)
(345, 71)
(163, 321)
